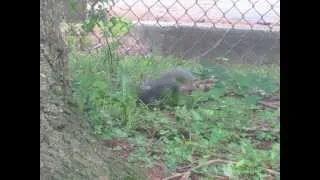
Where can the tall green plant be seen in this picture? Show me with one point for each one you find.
(111, 28)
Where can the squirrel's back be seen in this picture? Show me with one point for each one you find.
(179, 74)
(169, 81)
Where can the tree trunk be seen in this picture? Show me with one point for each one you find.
(67, 149)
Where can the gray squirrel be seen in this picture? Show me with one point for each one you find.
(170, 83)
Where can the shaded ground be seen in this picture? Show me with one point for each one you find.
(159, 170)
(223, 133)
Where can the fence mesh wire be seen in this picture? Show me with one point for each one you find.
(242, 30)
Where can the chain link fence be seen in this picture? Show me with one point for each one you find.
(243, 31)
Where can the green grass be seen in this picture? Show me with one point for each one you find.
(206, 126)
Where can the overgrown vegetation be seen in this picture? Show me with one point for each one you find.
(216, 134)
(224, 123)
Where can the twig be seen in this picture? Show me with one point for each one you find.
(269, 105)
(99, 45)
(187, 173)
(174, 176)
(273, 172)
(185, 176)
(215, 45)
(255, 129)
(199, 166)
(212, 162)
(261, 129)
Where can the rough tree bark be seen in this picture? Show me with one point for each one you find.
(67, 149)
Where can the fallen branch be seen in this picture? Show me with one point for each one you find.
(270, 105)
(188, 173)
(185, 176)
(213, 162)
(199, 166)
(256, 129)
(273, 172)
(261, 129)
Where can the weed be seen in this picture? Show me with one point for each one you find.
(204, 126)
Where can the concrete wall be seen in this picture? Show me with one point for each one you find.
(206, 44)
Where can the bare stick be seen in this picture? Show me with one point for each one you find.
(199, 166)
(187, 174)
(269, 105)
(273, 172)
(261, 129)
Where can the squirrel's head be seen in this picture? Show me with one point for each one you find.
(146, 84)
